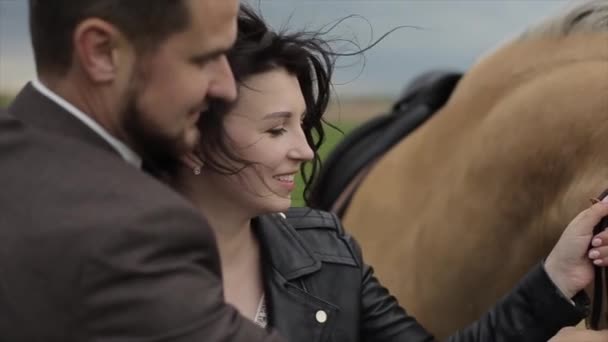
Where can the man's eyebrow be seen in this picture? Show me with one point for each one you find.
(211, 55)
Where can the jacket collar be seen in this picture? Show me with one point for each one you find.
(286, 251)
(294, 311)
(37, 110)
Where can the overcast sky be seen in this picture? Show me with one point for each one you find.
(454, 33)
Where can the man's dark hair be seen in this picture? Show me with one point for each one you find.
(145, 23)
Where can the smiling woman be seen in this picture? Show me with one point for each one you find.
(263, 130)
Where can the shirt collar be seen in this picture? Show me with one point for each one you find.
(125, 152)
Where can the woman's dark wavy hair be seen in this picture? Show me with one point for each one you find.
(258, 49)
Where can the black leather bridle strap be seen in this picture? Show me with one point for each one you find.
(601, 279)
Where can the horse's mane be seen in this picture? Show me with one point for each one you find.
(583, 17)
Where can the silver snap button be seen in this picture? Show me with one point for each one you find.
(283, 216)
(321, 316)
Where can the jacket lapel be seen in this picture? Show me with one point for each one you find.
(293, 310)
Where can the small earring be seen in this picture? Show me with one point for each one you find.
(196, 170)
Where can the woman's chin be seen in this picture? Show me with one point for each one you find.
(281, 204)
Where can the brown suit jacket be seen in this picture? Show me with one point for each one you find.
(93, 249)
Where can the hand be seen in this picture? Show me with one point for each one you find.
(571, 334)
(569, 265)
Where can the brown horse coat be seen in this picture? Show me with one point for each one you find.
(458, 211)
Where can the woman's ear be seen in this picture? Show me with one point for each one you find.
(193, 162)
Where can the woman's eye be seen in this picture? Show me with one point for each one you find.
(277, 131)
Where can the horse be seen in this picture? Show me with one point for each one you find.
(455, 213)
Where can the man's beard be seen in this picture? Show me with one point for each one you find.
(160, 153)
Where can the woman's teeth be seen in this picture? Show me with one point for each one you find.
(287, 178)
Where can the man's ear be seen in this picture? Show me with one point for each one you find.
(97, 46)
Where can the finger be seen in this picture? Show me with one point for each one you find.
(600, 239)
(588, 218)
(598, 252)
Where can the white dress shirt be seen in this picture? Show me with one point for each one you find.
(127, 153)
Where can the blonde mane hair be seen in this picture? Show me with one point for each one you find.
(586, 17)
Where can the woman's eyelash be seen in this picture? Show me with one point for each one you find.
(277, 131)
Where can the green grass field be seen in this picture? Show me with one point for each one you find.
(332, 137)
(4, 100)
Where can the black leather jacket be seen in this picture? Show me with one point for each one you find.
(319, 289)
